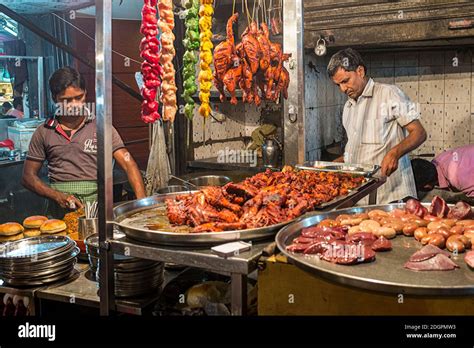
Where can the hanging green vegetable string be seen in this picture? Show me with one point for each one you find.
(191, 43)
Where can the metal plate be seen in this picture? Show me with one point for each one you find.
(46, 280)
(37, 247)
(37, 274)
(36, 262)
(386, 273)
(124, 211)
(367, 170)
(37, 267)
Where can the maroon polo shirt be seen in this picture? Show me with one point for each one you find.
(69, 158)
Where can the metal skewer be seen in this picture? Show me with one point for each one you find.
(185, 182)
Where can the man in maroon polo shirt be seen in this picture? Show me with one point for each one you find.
(68, 143)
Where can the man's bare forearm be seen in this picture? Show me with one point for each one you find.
(135, 178)
(410, 143)
(35, 184)
(136, 181)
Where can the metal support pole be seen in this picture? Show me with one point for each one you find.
(41, 88)
(238, 294)
(294, 107)
(103, 85)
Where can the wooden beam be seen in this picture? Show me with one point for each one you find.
(389, 34)
(377, 17)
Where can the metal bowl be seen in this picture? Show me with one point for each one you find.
(172, 189)
(210, 180)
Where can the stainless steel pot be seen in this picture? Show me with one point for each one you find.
(172, 189)
(210, 180)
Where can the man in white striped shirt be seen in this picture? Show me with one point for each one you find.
(381, 124)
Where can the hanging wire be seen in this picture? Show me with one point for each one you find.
(90, 37)
(233, 7)
(281, 11)
(265, 13)
(253, 10)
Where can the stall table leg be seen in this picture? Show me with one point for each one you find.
(239, 294)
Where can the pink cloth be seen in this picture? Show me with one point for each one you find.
(14, 112)
(456, 169)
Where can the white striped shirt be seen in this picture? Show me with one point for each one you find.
(374, 125)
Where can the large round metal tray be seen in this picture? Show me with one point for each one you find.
(124, 211)
(386, 273)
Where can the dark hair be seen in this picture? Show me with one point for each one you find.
(425, 173)
(64, 78)
(17, 101)
(7, 105)
(347, 59)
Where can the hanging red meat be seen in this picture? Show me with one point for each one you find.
(151, 69)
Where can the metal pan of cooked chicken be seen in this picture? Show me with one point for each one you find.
(253, 209)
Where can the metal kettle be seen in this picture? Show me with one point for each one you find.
(271, 152)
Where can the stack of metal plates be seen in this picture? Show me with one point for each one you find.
(37, 261)
(133, 276)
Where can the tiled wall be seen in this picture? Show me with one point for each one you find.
(443, 91)
(240, 121)
(324, 103)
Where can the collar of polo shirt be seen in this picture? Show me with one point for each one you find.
(53, 122)
(367, 92)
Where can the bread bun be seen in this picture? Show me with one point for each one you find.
(34, 221)
(10, 229)
(11, 238)
(32, 233)
(53, 226)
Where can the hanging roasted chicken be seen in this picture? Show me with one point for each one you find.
(255, 65)
(225, 57)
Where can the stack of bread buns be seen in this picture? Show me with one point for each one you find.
(11, 231)
(32, 225)
(54, 227)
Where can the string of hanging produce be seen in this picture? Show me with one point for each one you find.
(191, 44)
(205, 76)
(168, 88)
(151, 69)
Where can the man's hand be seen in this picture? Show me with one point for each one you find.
(390, 163)
(67, 201)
